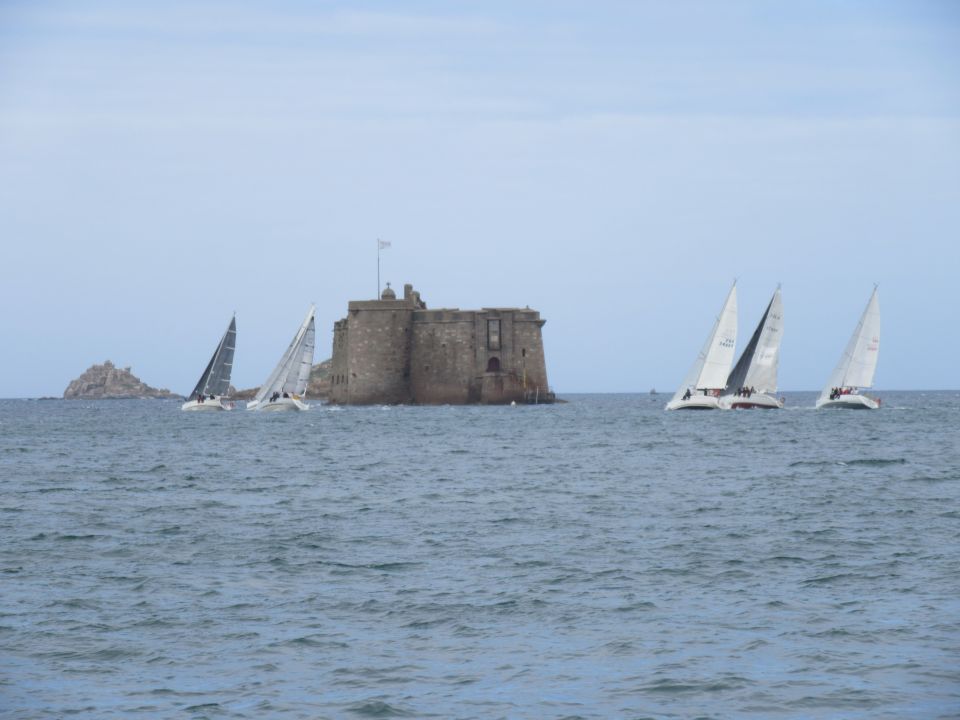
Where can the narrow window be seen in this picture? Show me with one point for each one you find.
(493, 334)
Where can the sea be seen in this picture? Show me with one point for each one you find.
(599, 558)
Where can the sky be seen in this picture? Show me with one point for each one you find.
(614, 165)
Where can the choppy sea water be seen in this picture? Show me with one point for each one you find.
(596, 559)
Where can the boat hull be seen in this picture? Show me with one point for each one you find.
(287, 404)
(206, 406)
(694, 402)
(850, 402)
(756, 401)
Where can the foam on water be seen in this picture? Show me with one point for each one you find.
(597, 559)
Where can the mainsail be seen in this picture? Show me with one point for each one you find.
(216, 377)
(712, 365)
(293, 371)
(757, 366)
(858, 364)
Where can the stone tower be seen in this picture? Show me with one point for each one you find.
(391, 350)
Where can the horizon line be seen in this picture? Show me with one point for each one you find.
(558, 393)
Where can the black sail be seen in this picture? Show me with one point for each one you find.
(738, 375)
(216, 377)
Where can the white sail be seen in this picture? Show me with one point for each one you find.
(719, 356)
(757, 366)
(712, 365)
(762, 374)
(306, 360)
(293, 371)
(858, 364)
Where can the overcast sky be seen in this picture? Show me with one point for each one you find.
(612, 164)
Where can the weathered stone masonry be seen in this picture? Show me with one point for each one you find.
(391, 350)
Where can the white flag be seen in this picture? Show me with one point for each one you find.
(384, 244)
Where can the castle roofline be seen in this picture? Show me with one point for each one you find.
(411, 301)
(508, 309)
(515, 310)
(380, 305)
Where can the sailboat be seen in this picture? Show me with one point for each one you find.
(753, 380)
(287, 384)
(708, 376)
(208, 394)
(857, 364)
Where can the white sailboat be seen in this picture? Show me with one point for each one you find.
(708, 376)
(208, 394)
(857, 365)
(753, 381)
(287, 385)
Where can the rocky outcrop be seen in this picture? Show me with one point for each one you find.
(318, 387)
(101, 382)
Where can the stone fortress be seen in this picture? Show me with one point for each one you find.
(396, 351)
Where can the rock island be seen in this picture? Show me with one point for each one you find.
(108, 382)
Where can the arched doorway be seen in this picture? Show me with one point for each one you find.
(493, 364)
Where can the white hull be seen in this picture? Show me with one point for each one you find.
(694, 402)
(206, 405)
(850, 402)
(283, 404)
(756, 401)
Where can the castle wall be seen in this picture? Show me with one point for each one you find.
(519, 355)
(456, 360)
(528, 352)
(396, 351)
(378, 352)
(443, 367)
(339, 364)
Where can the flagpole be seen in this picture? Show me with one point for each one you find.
(381, 246)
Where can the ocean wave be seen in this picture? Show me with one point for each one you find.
(379, 709)
(878, 462)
